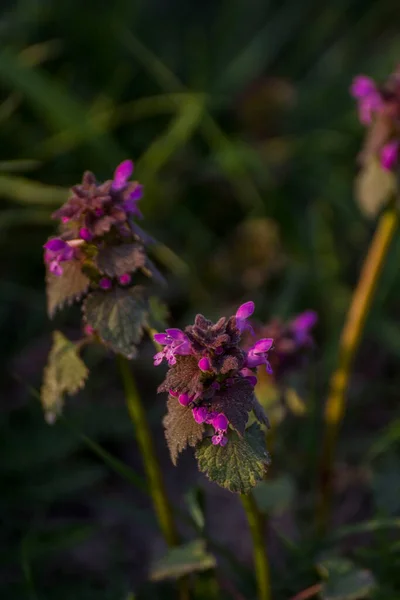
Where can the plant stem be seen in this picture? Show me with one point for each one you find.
(261, 564)
(348, 346)
(155, 481)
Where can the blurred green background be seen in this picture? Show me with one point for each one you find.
(238, 117)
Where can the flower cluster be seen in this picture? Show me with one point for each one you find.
(96, 215)
(211, 375)
(290, 341)
(380, 105)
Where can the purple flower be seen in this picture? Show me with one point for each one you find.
(105, 283)
(220, 422)
(389, 155)
(368, 96)
(184, 399)
(200, 414)
(122, 174)
(130, 204)
(219, 439)
(85, 234)
(88, 330)
(301, 326)
(125, 279)
(204, 364)
(244, 312)
(56, 252)
(175, 342)
(362, 86)
(257, 354)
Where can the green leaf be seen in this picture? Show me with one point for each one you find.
(345, 580)
(114, 261)
(67, 288)
(274, 496)
(118, 317)
(181, 429)
(374, 186)
(183, 560)
(260, 413)
(238, 465)
(65, 373)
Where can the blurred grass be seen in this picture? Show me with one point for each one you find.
(233, 112)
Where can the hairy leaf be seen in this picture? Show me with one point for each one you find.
(181, 429)
(114, 261)
(238, 465)
(67, 288)
(235, 401)
(65, 373)
(118, 316)
(182, 560)
(374, 186)
(183, 377)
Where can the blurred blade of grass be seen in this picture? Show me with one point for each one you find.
(364, 527)
(386, 439)
(38, 53)
(27, 191)
(22, 164)
(164, 147)
(246, 190)
(13, 217)
(56, 105)
(258, 55)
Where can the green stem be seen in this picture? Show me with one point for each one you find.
(261, 564)
(155, 481)
(348, 346)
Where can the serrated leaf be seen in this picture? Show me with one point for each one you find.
(373, 187)
(260, 413)
(183, 560)
(118, 316)
(65, 373)
(114, 261)
(235, 401)
(274, 496)
(181, 430)
(345, 581)
(67, 288)
(240, 464)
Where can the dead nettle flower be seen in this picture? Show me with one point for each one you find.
(100, 247)
(379, 109)
(211, 376)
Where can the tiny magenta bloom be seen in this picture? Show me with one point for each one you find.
(125, 279)
(105, 283)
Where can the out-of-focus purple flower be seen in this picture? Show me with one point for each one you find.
(242, 314)
(85, 234)
(362, 86)
(56, 252)
(368, 97)
(389, 155)
(122, 174)
(88, 330)
(175, 342)
(204, 364)
(125, 279)
(105, 283)
(302, 325)
(257, 354)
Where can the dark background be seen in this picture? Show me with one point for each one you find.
(239, 120)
